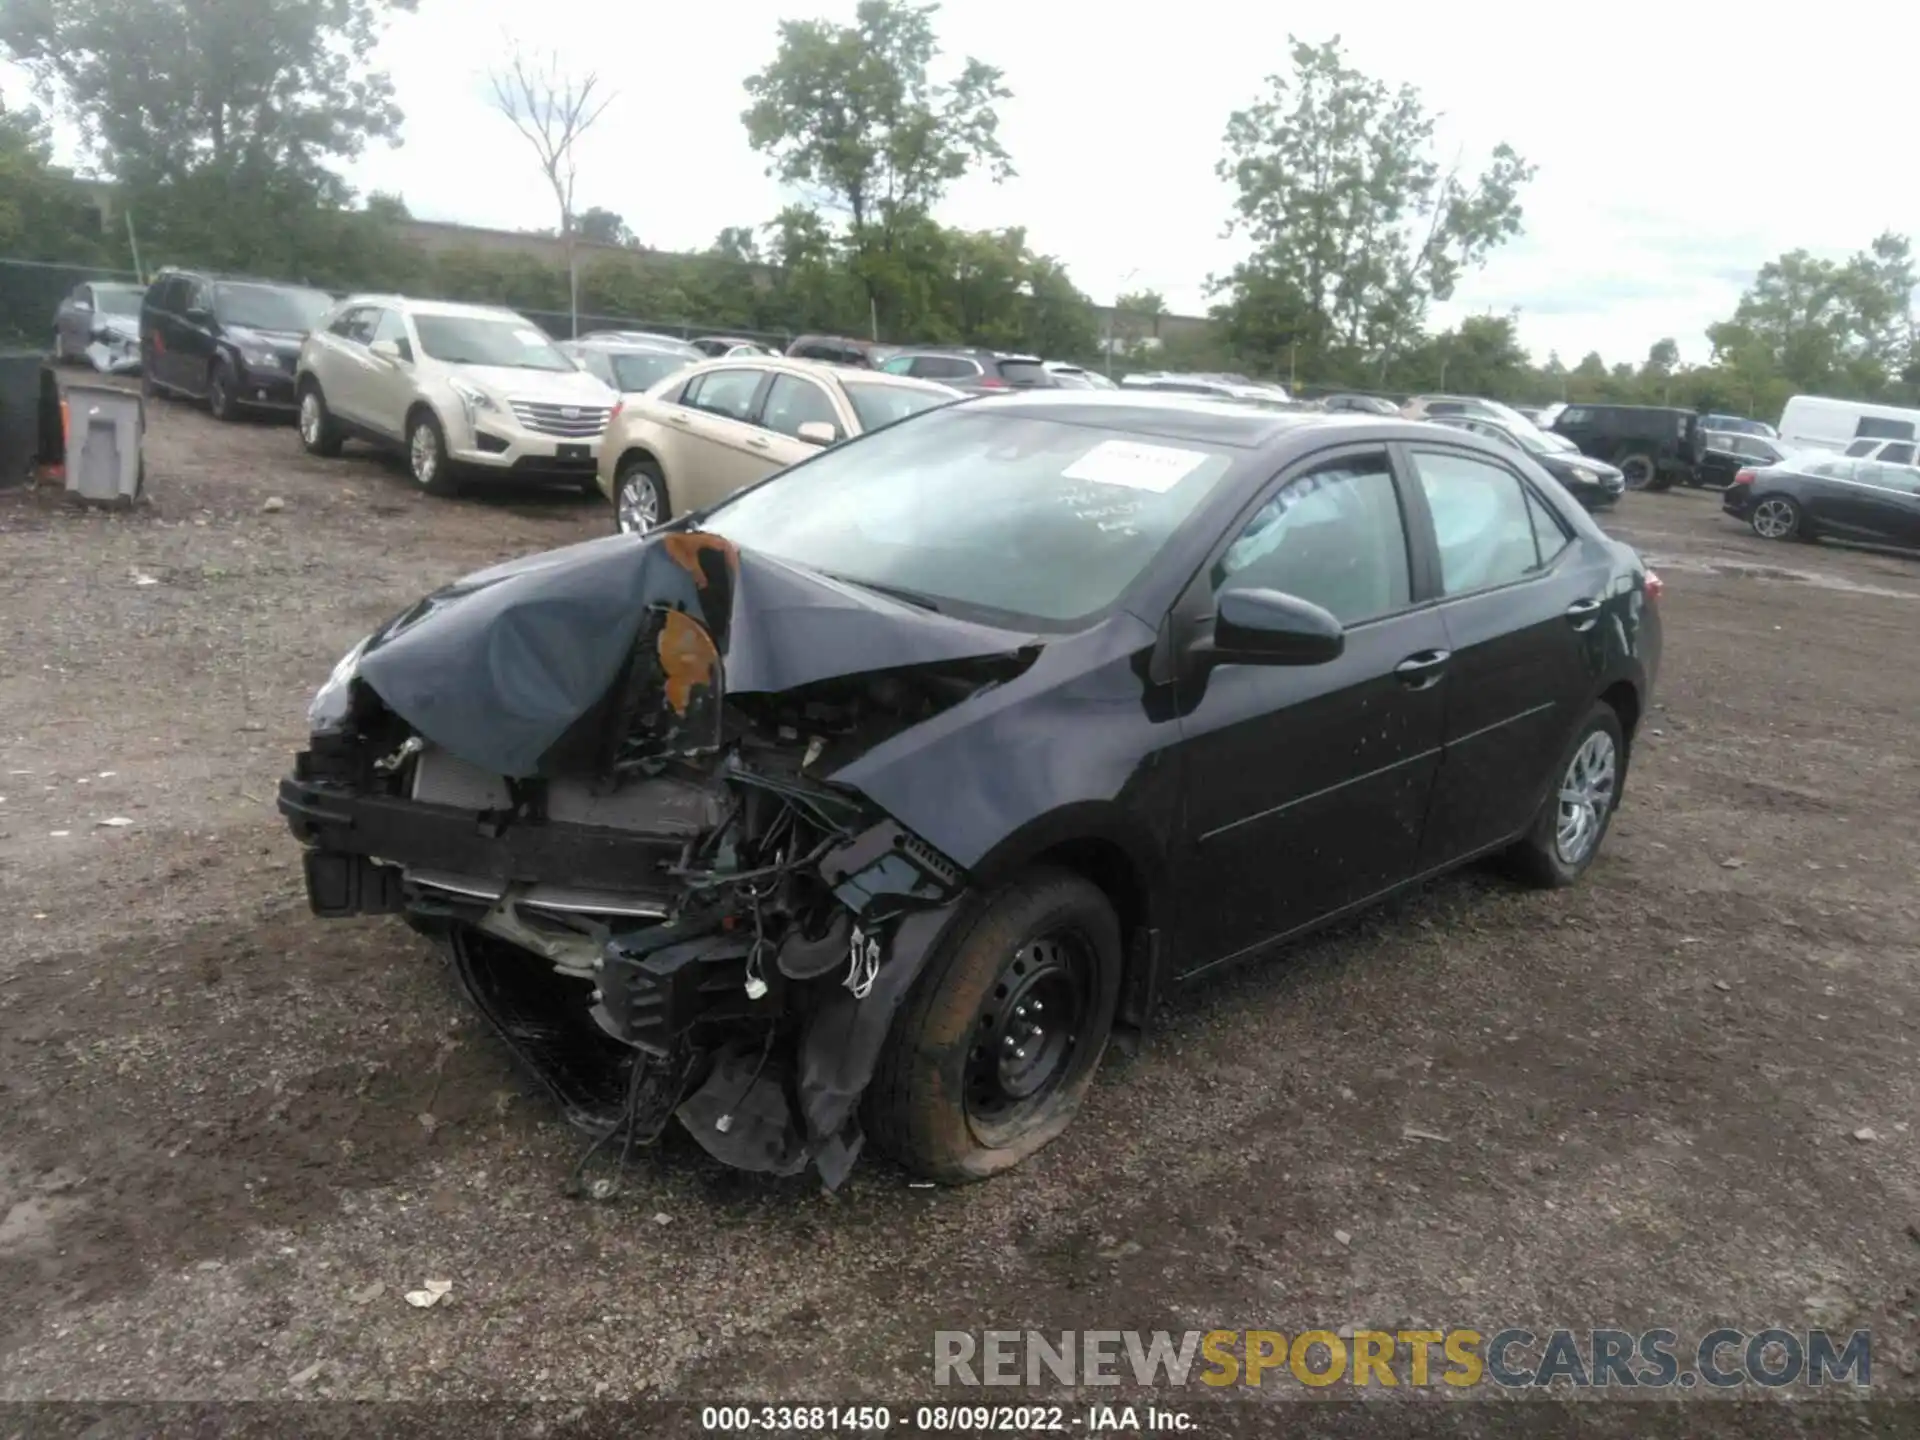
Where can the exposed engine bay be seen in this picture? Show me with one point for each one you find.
(651, 886)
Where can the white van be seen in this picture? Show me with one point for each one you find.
(1812, 422)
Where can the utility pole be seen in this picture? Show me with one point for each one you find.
(1113, 314)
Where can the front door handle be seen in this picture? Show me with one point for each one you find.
(1582, 613)
(1422, 671)
(758, 442)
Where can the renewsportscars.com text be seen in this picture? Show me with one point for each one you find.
(1461, 1358)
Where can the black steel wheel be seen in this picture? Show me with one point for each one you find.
(995, 1047)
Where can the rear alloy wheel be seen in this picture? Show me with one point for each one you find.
(639, 497)
(220, 400)
(1775, 518)
(1573, 820)
(427, 455)
(991, 1055)
(318, 433)
(1640, 471)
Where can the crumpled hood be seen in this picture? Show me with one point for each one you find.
(498, 667)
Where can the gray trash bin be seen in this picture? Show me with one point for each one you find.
(105, 430)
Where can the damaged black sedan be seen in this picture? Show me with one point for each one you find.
(878, 800)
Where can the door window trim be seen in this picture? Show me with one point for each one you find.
(1414, 495)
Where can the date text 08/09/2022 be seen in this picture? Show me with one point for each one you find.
(942, 1419)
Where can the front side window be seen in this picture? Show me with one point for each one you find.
(899, 365)
(1025, 521)
(792, 402)
(1333, 537)
(392, 326)
(724, 392)
(1900, 452)
(1482, 521)
(355, 324)
(1863, 447)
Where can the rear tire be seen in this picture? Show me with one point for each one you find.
(1778, 517)
(319, 432)
(1572, 824)
(978, 1073)
(1642, 472)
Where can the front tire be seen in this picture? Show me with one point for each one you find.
(220, 402)
(990, 1057)
(639, 497)
(318, 431)
(1777, 517)
(427, 455)
(1573, 820)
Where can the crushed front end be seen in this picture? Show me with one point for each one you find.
(645, 879)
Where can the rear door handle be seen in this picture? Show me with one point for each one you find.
(1419, 672)
(758, 442)
(1582, 613)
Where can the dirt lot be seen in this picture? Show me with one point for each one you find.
(231, 1135)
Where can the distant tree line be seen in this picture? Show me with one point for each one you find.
(222, 131)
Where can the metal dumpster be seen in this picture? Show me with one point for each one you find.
(105, 430)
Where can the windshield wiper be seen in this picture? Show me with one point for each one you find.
(892, 592)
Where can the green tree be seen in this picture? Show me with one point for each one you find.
(1482, 356)
(852, 113)
(1355, 228)
(222, 121)
(43, 216)
(598, 226)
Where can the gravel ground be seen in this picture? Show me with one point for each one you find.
(231, 1136)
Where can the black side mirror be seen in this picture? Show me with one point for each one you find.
(1266, 627)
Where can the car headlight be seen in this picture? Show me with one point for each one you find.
(260, 359)
(472, 399)
(1583, 475)
(332, 703)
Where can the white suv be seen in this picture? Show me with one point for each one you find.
(457, 389)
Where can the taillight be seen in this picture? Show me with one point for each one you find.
(1654, 586)
(1745, 477)
(993, 382)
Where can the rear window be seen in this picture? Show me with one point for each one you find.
(1024, 372)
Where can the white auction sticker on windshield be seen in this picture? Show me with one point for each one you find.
(1138, 467)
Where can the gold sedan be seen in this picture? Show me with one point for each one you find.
(713, 429)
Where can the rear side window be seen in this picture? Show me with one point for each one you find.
(1333, 536)
(1024, 373)
(1872, 426)
(1863, 447)
(1483, 521)
(724, 392)
(1574, 417)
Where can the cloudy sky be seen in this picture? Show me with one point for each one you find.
(1679, 145)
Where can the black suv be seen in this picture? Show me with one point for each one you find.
(1653, 445)
(225, 340)
(971, 369)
